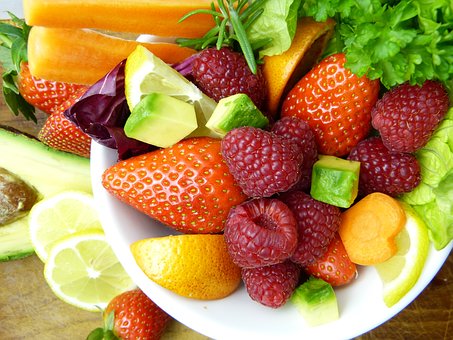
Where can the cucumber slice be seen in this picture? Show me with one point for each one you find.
(15, 240)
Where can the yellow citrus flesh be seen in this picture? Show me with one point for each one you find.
(60, 215)
(83, 271)
(402, 271)
(196, 266)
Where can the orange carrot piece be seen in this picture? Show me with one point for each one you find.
(368, 228)
(84, 56)
(157, 17)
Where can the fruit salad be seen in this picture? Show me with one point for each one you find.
(324, 164)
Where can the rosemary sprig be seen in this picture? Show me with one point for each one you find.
(232, 21)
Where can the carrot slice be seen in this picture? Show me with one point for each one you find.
(284, 70)
(368, 229)
(158, 17)
(83, 56)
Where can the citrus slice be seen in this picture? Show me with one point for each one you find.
(145, 73)
(57, 216)
(83, 271)
(401, 272)
(196, 266)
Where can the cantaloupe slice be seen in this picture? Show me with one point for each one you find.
(157, 17)
(83, 56)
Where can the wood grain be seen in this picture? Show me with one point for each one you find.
(29, 309)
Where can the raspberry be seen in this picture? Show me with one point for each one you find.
(407, 115)
(222, 73)
(261, 162)
(272, 285)
(382, 170)
(317, 223)
(260, 232)
(299, 132)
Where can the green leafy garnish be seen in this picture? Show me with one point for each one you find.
(395, 41)
(232, 21)
(13, 51)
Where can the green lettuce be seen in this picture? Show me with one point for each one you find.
(276, 26)
(433, 198)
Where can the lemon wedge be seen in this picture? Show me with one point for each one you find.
(401, 272)
(60, 215)
(82, 270)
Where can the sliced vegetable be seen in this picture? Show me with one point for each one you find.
(15, 240)
(368, 229)
(316, 301)
(158, 17)
(84, 56)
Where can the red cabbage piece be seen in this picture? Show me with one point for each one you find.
(102, 112)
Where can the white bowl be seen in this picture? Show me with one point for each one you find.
(238, 317)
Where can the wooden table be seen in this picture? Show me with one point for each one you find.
(29, 310)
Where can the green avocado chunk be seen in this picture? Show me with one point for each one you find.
(335, 181)
(233, 112)
(316, 301)
(161, 120)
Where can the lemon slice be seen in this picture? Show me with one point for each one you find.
(83, 271)
(60, 215)
(400, 273)
(145, 73)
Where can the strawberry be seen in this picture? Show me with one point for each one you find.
(60, 133)
(335, 103)
(334, 266)
(187, 186)
(23, 92)
(132, 315)
(46, 95)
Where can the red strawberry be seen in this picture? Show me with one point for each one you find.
(334, 266)
(187, 186)
(132, 315)
(60, 133)
(335, 103)
(407, 115)
(222, 73)
(46, 95)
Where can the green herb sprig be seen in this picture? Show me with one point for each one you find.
(231, 23)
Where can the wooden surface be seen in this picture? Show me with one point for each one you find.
(29, 310)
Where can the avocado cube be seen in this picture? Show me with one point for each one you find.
(233, 112)
(335, 181)
(161, 120)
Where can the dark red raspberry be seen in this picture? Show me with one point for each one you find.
(407, 115)
(273, 285)
(300, 133)
(262, 162)
(222, 73)
(317, 223)
(382, 170)
(260, 232)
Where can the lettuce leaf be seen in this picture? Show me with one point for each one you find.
(433, 198)
(276, 23)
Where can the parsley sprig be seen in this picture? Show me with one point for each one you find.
(231, 23)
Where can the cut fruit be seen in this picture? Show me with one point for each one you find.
(161, 120)
(15, 240)
(197, 266)
(48, 170)
(401, 272)
(83, 271)
(145, 73)
(58, 216)
(158, 17)
(84, 56)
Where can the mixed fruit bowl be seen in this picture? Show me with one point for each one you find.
(269, 166)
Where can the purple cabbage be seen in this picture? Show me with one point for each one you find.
(102, 112)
